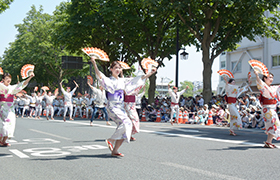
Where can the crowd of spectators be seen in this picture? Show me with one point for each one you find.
(198, 112)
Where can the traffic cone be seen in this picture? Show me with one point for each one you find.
(180, 119)
(210, 119)
(158, 116)
(44, 112)
(143, 116)
(185, 117)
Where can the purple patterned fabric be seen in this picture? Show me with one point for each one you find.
(117, 96)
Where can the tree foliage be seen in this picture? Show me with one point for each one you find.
(5, 4)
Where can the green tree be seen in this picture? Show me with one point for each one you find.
(218, 25)
(188, 92)
(5, 4)
(34, 45)
(136, 29)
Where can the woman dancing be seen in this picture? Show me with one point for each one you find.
(7, 111)
(268, 99)
(232, 92)
(115, 87)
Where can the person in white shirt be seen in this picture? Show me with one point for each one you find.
(68, 100)
(32, 103)
(49, 103)
(39, 107)
(78, 106)
(16, 105)
(61, 105)
(99, 103)
(175, 96)
(26, 105)
(200, 101)
(89, 103)
(56, 106)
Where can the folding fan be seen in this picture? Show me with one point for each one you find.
(124, 65)
(259, 66)
(224, 72)
(98, 53)
(19, 94)
(36, 88)
(56, 91)
(26, 70)
(148, 63)
(249, 76)
(1, 71)
(45, 88)
(23, 91)
(90, 79)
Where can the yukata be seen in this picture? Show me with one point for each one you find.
(175, 97)
(268, 99)
(68, 101)
(7, 110)
(130, 101)
(233, 91)
(49, 105)
(38, 107)
(115, 106)
(78, 106)
(99, 103)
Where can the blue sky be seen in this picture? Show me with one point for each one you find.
(190, 70)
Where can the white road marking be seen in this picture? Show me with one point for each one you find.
(200, 171)
(14, 142)
(49, 134)
(19, 153)
(173, 134)
(6, 156)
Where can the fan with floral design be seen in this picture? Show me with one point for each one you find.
(1, 71)
(225, 72)
(26, 70)
(98, 53)
(259, 66)
(46, 88)
(90, 79)
(124, 65)
(148, 63)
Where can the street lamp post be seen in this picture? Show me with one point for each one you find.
(184, 56)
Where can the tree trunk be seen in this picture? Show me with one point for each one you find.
(207, 76)
(152, 88)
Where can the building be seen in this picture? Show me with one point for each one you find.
(263, 49)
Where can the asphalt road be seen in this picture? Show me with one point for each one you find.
(44, 149)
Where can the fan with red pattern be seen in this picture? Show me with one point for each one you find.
(124, 65)
(26, 70)
(98, 53)
(259, 66)
(46, 88)
(224, 72)
(90, 79)
(1, 71)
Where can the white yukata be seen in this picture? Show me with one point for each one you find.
(49, 105)
(269, 97)
(115, 106)
(7, 111)
(130, 107)
(175, 97)
(32, 103)
(38, 108)
(78, 106)
(233, 91)
(68, 101)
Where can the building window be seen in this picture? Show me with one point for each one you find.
(223, 64)
(238, 67)
(276, 60)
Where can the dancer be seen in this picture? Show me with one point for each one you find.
(232, 93)
(89, 104)
(7, 111)
(99, 103)
(38, 108)
(49, 103)
(268, 99)
(26, 105)
(175, 97)
(32, 104)
(68, 100)
(115, 87)
(78, 105)
(130, 101)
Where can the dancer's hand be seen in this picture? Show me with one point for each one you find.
(256, 73)
(187, 87)
(32, 74)
(76, 84)
(92, 59)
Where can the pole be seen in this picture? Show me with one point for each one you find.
(177, 57)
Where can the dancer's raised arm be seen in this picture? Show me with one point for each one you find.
(154, 70)
(27, 80)
(97, 72)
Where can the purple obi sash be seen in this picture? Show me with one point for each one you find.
(117, 96)
(10, 98)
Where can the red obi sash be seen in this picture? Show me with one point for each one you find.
(231, 100)
(129, 98)
(10, 98)
(266, 101)
(172, 103)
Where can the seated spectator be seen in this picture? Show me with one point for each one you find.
(257, 120)
(244, 119)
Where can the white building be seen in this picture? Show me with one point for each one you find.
(264, 49)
